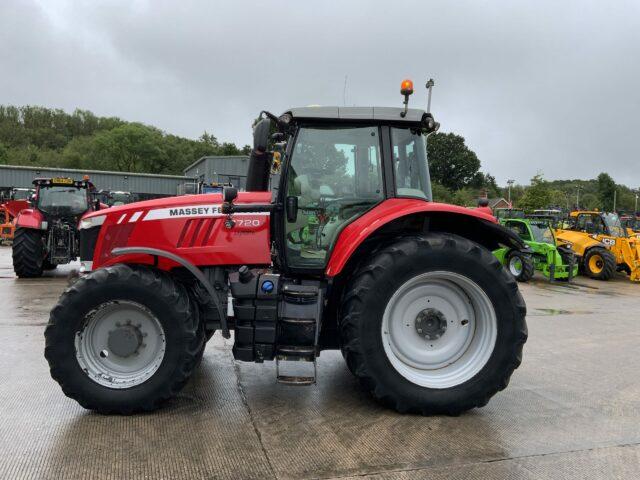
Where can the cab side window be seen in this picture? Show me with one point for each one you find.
(336, 175)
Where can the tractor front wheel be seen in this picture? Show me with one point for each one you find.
(433, 325)
(599, 263)
(123, 339)
(28, 253)
(520, 265)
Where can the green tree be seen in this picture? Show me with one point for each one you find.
(4, 154)
(441, 194)
(465, 197)
(537, 195)
(451, 163)
(131, 148)
(606, 191)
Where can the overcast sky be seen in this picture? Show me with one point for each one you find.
(550, 86)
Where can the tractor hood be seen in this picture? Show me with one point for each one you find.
(191, 226)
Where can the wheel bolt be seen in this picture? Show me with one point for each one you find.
(419, 330)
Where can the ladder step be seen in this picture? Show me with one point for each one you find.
(298, 351)
(299, 321)
(295, 380)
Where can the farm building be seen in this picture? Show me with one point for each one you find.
(143, 185)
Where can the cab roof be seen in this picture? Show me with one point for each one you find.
(374, 114)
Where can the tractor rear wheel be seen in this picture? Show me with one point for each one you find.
(28, 253)
(123, 339)
(599, 263)
(47, 265)
(520, 265)
(433, 324)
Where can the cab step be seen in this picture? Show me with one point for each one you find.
(300, 313)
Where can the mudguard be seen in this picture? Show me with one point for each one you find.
(474, 224)
(30, 218)
(14, 207)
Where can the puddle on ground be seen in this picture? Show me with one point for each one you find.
(542, 312)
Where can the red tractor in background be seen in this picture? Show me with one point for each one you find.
(17, 201)
(46, 235)
(352, 254)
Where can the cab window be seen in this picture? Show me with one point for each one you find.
(410, 163)
(335, 173)
(519, 228)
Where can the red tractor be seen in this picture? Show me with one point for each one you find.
(46, 235)
(351, 255)
(18, 200)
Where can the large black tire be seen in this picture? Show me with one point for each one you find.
(47, 265)
(373, 286)
(599, 263)
(159, 293)
(525, 263)
(28, 253)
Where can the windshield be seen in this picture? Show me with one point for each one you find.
(542, 233)
(612, 221)
(410, 163)
(62, 200)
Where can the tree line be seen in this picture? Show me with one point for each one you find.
(32, 135)
(600, 193)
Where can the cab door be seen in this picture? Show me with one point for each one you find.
(333, 176)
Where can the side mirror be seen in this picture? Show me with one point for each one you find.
(292, 209)
(96, 204)
(229, 194)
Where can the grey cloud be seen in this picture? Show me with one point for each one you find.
(533, 86)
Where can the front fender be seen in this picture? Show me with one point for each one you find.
(436, 217)
(30, 218)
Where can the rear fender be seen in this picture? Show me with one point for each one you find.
(405, 216)
(30, 218)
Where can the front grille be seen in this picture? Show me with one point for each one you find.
(88, 239)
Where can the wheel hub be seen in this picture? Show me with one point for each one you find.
(431, 324)
(125, 340)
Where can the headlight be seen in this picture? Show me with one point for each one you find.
(92, 221)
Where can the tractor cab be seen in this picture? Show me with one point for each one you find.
(338, 164)
(60, 197)
(503, 213)
(25, 194)
(598, 223)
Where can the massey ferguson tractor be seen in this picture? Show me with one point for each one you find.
(352, 254)
(46, 235)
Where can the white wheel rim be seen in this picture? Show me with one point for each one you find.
(461, 351)
(98, 355)
(515, 266)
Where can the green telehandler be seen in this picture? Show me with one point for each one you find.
(548, 255)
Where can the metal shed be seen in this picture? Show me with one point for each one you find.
(223, 169)
(145, 185)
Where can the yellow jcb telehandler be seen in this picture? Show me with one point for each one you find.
(602, 245)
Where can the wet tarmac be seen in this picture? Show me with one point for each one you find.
(572, 410)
